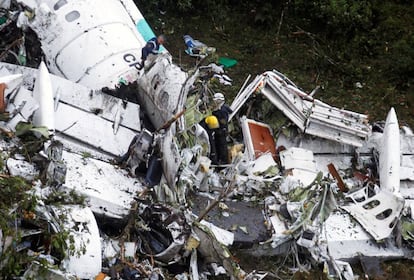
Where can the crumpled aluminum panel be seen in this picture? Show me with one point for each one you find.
(377, 213)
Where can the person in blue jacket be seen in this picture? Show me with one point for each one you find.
(151, 47)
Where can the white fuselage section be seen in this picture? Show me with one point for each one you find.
(94, 43)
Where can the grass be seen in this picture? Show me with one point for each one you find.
(354, 83)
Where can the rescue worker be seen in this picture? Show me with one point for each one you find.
(151, 47)
(211, 125)
(222, 112)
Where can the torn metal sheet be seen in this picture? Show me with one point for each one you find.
(98, 181)
(244, 94)
(13, 81)
(291, 138)
(311, 116)
(86, 259)
(193, 174)
(140, 149)
(21, 107)
(56, 168)
(263, 163)
(164, 234)
(38, 271)
(163, 90)
(92, 130)
(389, 155)
(214, 252)
(346, 240)
(170, 157)
(258, 138)
(345, 157)
(223, 236)
(108, 107)
(280, 235)
(5, 4)
(300, 163)
(378, 212)
(22, 168)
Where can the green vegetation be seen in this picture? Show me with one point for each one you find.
(13, 191)
(33, 139)
(361, 53)
(18, 205)
(15, 201)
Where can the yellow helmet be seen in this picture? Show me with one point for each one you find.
(212, 122)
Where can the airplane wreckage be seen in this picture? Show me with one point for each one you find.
(328, 189)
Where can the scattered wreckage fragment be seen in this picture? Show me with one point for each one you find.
(300, 164)
(196, 48)
(258, 138)
(312, 214)
(163, 97)
(347, 240)
(378, 212)
(98, 181)
(310, 115)
(84, 239)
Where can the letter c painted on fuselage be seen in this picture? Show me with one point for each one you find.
(131, 59)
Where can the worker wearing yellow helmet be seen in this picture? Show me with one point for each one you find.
(222, 111)
(211, 125)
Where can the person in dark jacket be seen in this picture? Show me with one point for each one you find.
(222, 112)
(151, 47)
(211, 125)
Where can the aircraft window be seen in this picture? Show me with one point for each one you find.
(71, 16)
(164, 98)
(59, 4)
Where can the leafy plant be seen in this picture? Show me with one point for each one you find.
(58, 197)
(86, 155)
(14, 195)
(32, 138)
(337, 16)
